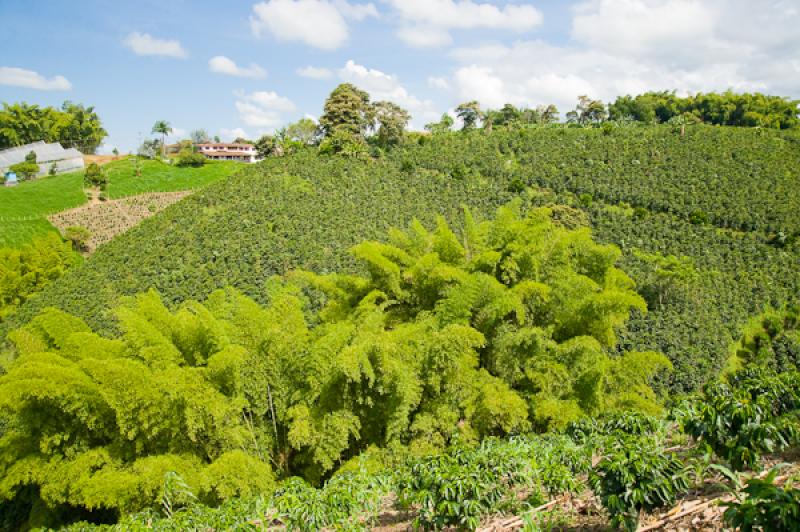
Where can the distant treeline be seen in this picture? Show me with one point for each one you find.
(724, 109)
(73, 125)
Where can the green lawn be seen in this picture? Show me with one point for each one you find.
(160, 177)
(24, 208)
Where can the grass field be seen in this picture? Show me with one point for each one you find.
(160, 177)
(24, 208)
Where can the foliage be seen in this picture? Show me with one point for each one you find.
(725, 109)
(348, 110)
(73, 125)
(342, 142)
(644, 182)
(30, 157)
(766, 507)
(97, 422)
(588, 111)
(25, 271)
(78, 237)
(199, 136)
(391, 121)
(25, 170)
(464, 485)
(771, 340)
(635, 475)
(751, 415)
(444, 125)
(190, 158)
(95, 176)
(304, 131)
(616, 424)
(469, 113)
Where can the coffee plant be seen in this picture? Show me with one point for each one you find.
(634, 475)
(746, 417)
(766, 506)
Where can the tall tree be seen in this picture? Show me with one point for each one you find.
(163, 128)
(73, 126)
(469, 113)
(443, 125)
(391, 121)
(199, 136)
(304, 131)
(347, 109)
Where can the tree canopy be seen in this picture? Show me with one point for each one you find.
(73, 125)
(509, 326)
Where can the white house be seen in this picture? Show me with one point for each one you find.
(47, 154)
(221, 151)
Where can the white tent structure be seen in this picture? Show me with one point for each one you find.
(47, 154)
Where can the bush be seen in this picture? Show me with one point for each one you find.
(94, 176)
(767, 507)
(79, 236)
(749, 416)
(637, 475)
(189, 158)
(25, 170)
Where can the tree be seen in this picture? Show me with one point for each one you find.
(347, 109)
(199, 136)
(469, 113)
(30, 157)
(304, 131)
(391, 121)
(547, 113)
(266, 146)
(94, 176)
(443, 125)
(74, 126)
(163, 128)
(587, 111)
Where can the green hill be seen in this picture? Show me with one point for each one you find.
(720, 199)
(25, 207)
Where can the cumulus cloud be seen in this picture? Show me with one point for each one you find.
(223, 65)
(382, 86)
(631, 46)
(314, 72)
(438, 83)
(146, 44)
(262, 109)
(19, 77)
(318, 23)
(229, 135)
(427, 23)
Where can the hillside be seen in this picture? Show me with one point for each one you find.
(24, 209)
(712, 196)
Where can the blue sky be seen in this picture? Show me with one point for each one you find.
(233, 67)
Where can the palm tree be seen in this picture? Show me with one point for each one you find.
(162, 127)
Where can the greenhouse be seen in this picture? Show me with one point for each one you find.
(48, 156)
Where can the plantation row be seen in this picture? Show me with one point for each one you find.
(306, 211)
(731, 425)
(740, 179)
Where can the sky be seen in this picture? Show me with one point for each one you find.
(244, 68)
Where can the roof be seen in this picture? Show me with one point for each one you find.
(224, 145)
(236, 153)
(45, 153)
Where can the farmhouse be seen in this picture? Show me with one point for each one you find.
(47, 155)
(228, 152)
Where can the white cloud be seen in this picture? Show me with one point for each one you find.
(382, 86)
(146, 44)
(19, 77)
(229, 135)
(262, 109)
(178, 133)
(621, 47)
(314, 72)
(438, 83)
(427, 23)
(223, 65)
(317, 23)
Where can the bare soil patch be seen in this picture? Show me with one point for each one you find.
(108, 219)
(100, 159)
